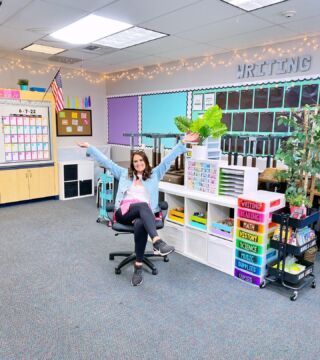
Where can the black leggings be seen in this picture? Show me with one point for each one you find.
(144, 225)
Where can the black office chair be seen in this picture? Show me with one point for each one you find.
(130, 256)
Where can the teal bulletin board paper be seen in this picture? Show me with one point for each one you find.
(158, 113)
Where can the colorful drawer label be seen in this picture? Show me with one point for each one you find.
(256, 249)
(247, 225)
(250, 236)
(247, 277)
(251, 205)
(250, 215)
(255, 259)
(248, 267)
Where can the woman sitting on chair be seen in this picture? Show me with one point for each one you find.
(138, 196)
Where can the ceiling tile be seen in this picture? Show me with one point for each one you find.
(304, 9)
(162, 45)
(40, 15)
(309, 26)
(15, 39)
(232, 26)
(205, 12)
(137, 11)
(9, 8)
(85, 5)
(256, 38)
(194, 51)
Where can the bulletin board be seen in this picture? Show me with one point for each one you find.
(158, 113)
(24, 132)
(74, 122)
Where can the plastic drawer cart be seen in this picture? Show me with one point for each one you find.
(276, 270)
(104, 194)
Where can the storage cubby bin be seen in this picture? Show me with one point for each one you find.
(216, 227)
(196, 244)
(173, 234)
(176, 206)
(193, 220)
(220, 254)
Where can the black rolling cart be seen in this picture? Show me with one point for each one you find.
(276, 270)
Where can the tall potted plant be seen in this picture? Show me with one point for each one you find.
(207, 125)
(301, 154)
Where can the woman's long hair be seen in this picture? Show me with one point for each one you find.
(147, 171)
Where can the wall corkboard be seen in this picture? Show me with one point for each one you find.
(74, 122)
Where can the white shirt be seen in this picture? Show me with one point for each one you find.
(137, 192)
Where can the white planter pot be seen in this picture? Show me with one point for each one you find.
(199, 152)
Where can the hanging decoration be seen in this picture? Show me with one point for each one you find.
(300, 46)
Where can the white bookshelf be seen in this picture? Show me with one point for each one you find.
(199, 244)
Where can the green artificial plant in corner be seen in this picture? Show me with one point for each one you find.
(301, 154)
(208, 124)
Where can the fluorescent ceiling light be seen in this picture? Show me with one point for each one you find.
(43, 49)
(250, 5)
(88, 29)
(130, 37)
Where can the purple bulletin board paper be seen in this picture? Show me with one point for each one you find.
(122, 118)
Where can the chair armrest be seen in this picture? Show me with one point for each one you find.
(163, 205)
(164, 208)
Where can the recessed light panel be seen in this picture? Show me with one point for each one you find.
(130, 37)
(44, 49)
(250, 5)
(89, 29)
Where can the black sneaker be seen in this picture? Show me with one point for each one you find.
(162, 248)
(137, 277)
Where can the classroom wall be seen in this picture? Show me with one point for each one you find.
(72, 87)
(208, 76)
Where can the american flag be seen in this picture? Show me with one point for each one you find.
(56, 87)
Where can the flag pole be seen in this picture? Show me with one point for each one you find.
(50, 84)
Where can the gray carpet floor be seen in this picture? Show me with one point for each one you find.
(60, 299)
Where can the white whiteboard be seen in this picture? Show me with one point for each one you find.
(25, 134)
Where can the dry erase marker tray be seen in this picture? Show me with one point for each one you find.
(291, 278)
(310, 219)
(293, 249)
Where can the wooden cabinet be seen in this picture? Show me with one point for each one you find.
(27, 184)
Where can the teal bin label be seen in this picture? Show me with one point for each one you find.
(251, 258)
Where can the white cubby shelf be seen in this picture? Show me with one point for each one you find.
(199, 244)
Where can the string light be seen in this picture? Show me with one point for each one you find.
(303, 44)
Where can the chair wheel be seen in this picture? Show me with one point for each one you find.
(117, 271)
(111, 257)
(313, 285)
(294, 296)
(166, 259)
(154, 271)
(263, 284)
(98, 220)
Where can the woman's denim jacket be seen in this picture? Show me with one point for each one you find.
(121, 174)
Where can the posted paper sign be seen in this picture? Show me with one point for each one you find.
(197, 103)
(208, 101)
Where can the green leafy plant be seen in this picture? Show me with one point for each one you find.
(23, 82)
(301, 154)
(209, 124)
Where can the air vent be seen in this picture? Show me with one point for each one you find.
(64, 59)
(92, 48)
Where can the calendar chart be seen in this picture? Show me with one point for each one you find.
(24, 132)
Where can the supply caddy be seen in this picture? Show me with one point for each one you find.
(290, 270)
